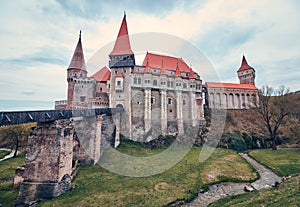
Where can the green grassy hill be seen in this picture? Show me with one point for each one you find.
(96, 186)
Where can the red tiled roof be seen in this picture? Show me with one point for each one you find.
(230, 85)
(120, 75)
(169, 63)
(102, 75)
(78, 57)
(244, 65)
(122, 44)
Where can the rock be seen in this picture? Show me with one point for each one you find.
(248, 188)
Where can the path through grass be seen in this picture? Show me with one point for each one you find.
(3, 153)
(286, 195)
(283, 162)
(96, 186)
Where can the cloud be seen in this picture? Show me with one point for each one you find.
(38, 38)
(28, 93)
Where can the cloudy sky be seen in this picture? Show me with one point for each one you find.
(38, 38)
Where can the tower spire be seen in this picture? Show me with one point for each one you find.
(244, 65)
(147, 69)
(192, 74)
(177, 73)
(122, 44)
(162, 70)
(77, 61)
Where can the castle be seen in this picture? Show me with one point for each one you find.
(161, 96)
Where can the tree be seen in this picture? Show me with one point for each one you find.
(15, 136)
(274, 107)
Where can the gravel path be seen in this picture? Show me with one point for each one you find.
(215, 192)
(11, 154)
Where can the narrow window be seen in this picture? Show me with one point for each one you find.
(169, 101)
(152, 100)
(82, 99)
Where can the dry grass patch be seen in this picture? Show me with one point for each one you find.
(229, 167)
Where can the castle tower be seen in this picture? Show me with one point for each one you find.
(246, 73)
(121, 63)
(122, 55)
(76, 69)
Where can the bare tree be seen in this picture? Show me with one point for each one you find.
(274, 107)
(15, 136)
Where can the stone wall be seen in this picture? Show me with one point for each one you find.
(54, 148)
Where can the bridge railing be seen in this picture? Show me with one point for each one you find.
(21, 117)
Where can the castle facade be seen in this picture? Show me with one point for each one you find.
(161, 96)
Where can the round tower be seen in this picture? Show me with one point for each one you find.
(75, 70)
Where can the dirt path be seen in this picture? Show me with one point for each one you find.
(215, 192)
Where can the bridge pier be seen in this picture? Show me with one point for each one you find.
(48, 165)
(55, 147)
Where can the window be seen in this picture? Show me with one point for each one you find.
(155, 82)
(100, 89)
(116, 72)
(139, 81)
(118, 83)
(135, 80)
(152, 100)
(172, 84)
(183, 101)
(184, 85)
(169, 101)
(82, 99)
(163, 83)
(147, 81)
(168, 84)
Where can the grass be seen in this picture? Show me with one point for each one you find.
(96, 186)
(286, 195)
(3, 153)
(8, 195)
(284, 162)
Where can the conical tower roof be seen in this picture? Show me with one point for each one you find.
(162, 70)
(192, 74)
(177, 72)
(147, 68)
(244, 65)
(78, 61)
(122, 44)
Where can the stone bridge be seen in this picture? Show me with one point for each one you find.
(61, 140)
